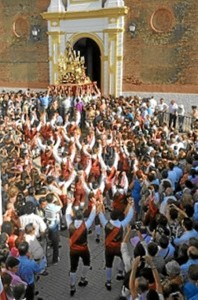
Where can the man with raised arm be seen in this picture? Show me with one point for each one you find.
(78, 232)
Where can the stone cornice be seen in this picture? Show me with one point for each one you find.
(98, 13)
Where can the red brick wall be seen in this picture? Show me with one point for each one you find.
(165, 57)
(23, 62)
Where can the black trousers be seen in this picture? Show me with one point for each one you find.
(53, 235)
(172, 119)
(29, 295)
(110, 255)
(74, 259)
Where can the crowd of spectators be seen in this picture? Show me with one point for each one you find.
(57, 145)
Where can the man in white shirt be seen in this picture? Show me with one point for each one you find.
(30, 217)
(161, 109)
(173, 111)
(52, 215)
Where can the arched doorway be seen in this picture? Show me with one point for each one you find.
(90, 50)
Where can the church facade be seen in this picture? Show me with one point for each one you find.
(129, 45)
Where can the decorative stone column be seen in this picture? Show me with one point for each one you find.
(88, 19)
(56, 6)
(114, 3)
(55, 36)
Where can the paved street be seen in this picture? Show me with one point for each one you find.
(55, 286)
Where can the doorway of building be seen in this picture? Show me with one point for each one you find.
(90, 50)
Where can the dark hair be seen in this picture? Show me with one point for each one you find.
(21, 185)
(50, 198)
(173, 213)
(79, 214)
(152, 295)
(115, 214)
(19, 291)
(50, 179)
(42, 199)
(6, 278)
(139, 250)
(193, 241)
(189, 209)
(31, 190)
(23, 248)
(172, 288)
(164, 174)
(11, 262)
(7, 227)
(193, 272)
(162, 220)
(29, 208)
(188, 223)
(163, 241)
(41, 190)
(152, 248)
(148, 274)
(29, 228)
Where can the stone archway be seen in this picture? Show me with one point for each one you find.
(91, 51)
(97, 24)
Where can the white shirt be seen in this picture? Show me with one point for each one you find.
(173, 108)
(35, 247)
(36, 220)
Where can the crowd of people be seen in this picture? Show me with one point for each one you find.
(78, 161)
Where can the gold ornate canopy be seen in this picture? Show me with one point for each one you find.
(71, 67)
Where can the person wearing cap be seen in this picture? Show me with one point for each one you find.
(114, 230)
(78, 233)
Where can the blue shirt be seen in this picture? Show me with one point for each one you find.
(185, 267)
(45, 101)
(184, 238)
(167, 253)
(190, 291)
(28, 268)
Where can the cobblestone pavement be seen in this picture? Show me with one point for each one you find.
(55, 286)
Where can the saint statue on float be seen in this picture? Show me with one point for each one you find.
(71, 68)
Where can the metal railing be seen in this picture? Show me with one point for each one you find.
(183, 123)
